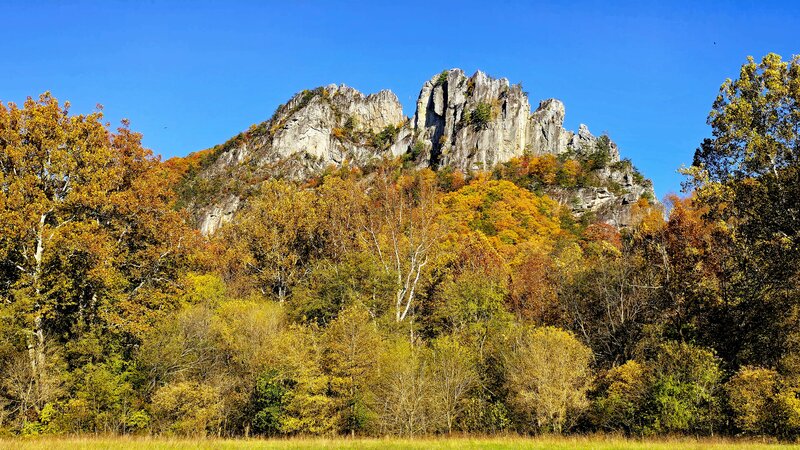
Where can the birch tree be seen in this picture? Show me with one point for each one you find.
(401, 227)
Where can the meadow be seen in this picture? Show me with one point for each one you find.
(495, 443)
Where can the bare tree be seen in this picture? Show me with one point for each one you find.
(28, 387)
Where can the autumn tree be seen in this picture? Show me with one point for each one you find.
(534, 288)
(548, 376)
(87, 230)
(275, 239)
(619, 395)
(468, 305)
(351, 355)
(188, 408)
(333, 285)
(402, 229)
(453, 375)
(752, 393)
(404, 390)
(747, 175)
(613, 294)
(505, 214)
(685, 380)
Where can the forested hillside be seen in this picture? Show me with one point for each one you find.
(427, 289)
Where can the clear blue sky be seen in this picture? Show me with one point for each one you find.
(191, 74)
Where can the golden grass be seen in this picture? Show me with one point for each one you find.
(556, 443)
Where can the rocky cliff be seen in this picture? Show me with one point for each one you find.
(477, 122)
(466, 123)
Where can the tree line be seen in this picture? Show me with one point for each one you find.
(392, 300)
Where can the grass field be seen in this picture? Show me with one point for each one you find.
(594, 443)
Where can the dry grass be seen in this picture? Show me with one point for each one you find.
(594, 443)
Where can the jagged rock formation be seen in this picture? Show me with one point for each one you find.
(315, 129)
(471, 123)
(467, 123)
(477, 122)
(311, 131)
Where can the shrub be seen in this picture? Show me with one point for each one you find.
(481, 116)
(762, 402)
(417, 149)
(100, 404)
(187, 408)
(442, 79)
(482, 416)
(268, 403)
(683, 394)
(751, 398)
(621, 393)
(385, 137)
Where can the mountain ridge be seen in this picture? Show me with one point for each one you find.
(470, 124)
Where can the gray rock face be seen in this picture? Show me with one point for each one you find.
(545, 131)
(477, 122)
(318, 127)
(310, 131)
(471, 123)
(314, 130)
(218, 214)
(467, 123)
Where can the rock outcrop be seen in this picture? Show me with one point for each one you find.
(218, 214)
(471, 123)
(477, 122)
(320, 127)
(309, 129)
(466, 123)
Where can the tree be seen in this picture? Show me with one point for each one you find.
(310, 409)
(619, 397)
(268, 404)
(609, 298)
(351, 357)
(188, 408)
(237, 347)
(334, 285)
(404, 390)
(248, 336)
(28, 388)
(685, 381)
(506, 214)
(102, 400)
(481, 116)
(183, 347)
(88, 236)
(468, 302)
(751, 396)
(548, 376)
(402, 230)
(452, 376)
(748, 175)
(276, 238)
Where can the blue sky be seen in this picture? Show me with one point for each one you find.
(189, 75)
